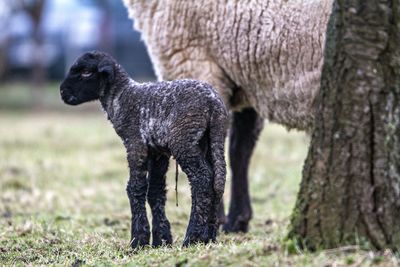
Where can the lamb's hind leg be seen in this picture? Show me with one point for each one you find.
(216, 215)
(199, 172)
(244, 132)
(156, 196)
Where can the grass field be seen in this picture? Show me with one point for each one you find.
(63, 201)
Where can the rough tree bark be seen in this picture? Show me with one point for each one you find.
(350, 192)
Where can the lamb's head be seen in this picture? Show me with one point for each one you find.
(88, 78)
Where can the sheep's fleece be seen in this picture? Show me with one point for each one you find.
(185, 119)
(266, 54)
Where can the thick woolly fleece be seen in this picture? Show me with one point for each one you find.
(185, 119)
(265, 54)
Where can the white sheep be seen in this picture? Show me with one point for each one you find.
(264, 58)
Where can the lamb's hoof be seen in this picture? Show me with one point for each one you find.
(195, 240)
(236, 225)
(140, 241)
(204, 235)
(161, 239)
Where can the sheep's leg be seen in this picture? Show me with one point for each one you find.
(199, 172)
(137, 190)
(245, 129)
(156, 196)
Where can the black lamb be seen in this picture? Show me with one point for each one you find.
(185, 119)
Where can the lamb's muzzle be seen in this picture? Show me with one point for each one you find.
(185, 119)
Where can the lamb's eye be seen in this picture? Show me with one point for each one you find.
(86, 73)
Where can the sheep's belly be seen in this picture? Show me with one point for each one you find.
(290, 111)
(290, 104)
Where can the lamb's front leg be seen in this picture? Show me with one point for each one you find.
(137, 190)
(161, 229)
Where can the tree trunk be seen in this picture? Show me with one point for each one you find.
(35, 10)
(350, 192)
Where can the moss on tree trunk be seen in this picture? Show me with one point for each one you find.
(350, 191)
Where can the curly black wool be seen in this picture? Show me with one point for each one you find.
(185, 119)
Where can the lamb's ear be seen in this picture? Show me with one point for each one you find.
(106, 68)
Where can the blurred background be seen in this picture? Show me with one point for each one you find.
(63, 169)
(40, 39)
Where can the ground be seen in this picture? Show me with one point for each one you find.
(63, 174)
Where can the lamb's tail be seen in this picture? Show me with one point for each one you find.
(218, 126)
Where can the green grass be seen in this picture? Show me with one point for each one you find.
(63, 200)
